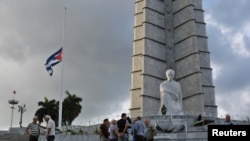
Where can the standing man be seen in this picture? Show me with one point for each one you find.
(33, 130)
(149, 131)
(227, 120)
(104, 130)
(51, 128)
(132, 129)
(122, 127)
(112, 130)
(139, 129)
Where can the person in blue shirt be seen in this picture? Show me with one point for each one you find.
(132, 129)
(227, 120)
(139, 129)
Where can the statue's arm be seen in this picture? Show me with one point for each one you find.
(161, 88)
(180, 94)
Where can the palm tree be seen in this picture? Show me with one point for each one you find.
(48, 107)
(71, 108)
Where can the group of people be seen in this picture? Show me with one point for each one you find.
(118, 130)
(33, 129)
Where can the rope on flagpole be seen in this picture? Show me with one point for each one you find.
(62, 74)
(64, 24)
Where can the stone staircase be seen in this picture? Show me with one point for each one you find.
(13, 137)
(191, 134)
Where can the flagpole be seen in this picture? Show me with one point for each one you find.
(62, 74)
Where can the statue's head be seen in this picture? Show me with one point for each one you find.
(170, 74)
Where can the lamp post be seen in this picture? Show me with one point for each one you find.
(21, 109)
(13, 102)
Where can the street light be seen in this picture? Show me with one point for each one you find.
(13, 102)
(21, 109)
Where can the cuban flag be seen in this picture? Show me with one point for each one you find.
(53, 60)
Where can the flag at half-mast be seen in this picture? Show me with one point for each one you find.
(53, 60)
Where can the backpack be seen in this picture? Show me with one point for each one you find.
(151, 132)
(154, 131)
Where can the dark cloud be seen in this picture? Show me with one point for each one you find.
(223, 54)
(233, 72)
(228, 19)
(218, 46)
(233, 76)
(246, 40)
(230, 13)
(97, 54)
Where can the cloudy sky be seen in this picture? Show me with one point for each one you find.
(97, 55)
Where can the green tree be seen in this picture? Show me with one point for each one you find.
(71, 108)
(48, 107)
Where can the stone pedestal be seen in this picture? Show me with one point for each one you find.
(193, 130)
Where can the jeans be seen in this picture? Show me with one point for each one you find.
(123, 138)
(33, 138)
(50, 138)
(139, 138)
(104, 139)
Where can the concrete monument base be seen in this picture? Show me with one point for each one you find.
(185, 127)
(195, 129)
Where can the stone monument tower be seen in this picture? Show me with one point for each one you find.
(171, 34)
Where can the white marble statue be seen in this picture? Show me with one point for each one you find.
(171, 95)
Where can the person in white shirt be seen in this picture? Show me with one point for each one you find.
(51, 128)
(112, 130)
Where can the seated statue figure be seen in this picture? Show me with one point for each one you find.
(171, 95)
